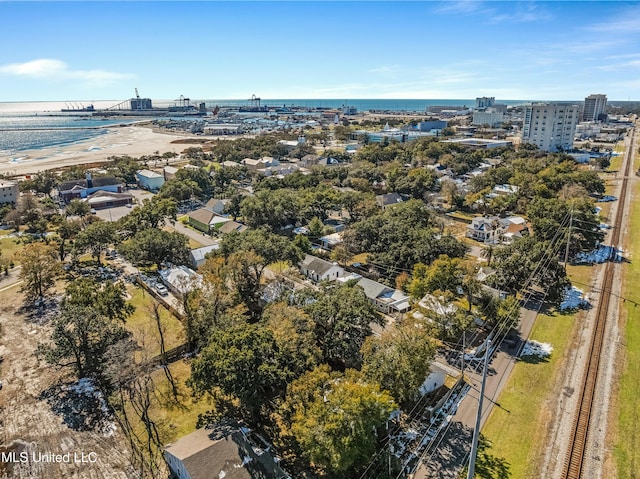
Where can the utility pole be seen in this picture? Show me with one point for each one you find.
(476, 431)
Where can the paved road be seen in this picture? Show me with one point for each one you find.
(195, 235)
(452, 454)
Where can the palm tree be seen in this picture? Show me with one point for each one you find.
(487, 253)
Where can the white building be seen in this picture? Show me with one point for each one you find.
(488, 117)
(550, 126)
(595, 107)
(317, 269)
(9, 192)
(150, 180)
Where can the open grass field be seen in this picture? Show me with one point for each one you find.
(143, 325)
(8, 247)
(517, 429)
(626, 448)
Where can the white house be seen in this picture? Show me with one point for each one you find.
(384, 298)
(317, 269)
(197, 255)
(150, 180)
(180, 279)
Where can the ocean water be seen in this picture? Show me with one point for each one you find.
(34, 125)
(25, 131)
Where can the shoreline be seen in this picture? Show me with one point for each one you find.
(134, 141)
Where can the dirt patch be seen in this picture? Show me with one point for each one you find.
(39, 418)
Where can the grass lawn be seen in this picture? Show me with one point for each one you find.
(174, 419)
(143, 326)
(518, 435)
(359, 258)
(10, 246)
(626, 448)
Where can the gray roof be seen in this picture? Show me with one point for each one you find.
(211, 454)
(202, 215)
(316, 264)
(389, 199)
(230, 226)
(372, 289)
(199, 254)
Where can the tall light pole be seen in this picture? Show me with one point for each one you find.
(476, 431)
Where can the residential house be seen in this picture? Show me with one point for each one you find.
(77, 189)
(149, 180)
(180, 279)
(230, 226)
(169, 172)
(331, 241)
(200, 219)
(197, 256)
(505, 189)
(222, 452)
(390, 199)
(251, 164)
(387, 300)
(216, 205)
(317, 269)
(486, 229)
(9, 192)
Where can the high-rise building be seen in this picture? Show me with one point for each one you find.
(485, 102)
(595, 107)
(550, 126)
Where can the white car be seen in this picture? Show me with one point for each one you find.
(162, 289)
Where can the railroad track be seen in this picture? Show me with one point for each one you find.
(574, 462)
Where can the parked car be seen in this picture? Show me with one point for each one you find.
(162, 289)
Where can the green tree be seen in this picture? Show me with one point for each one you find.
(179, 190)
(44, 182)
(399, 359)
(107, 298)
(525, 262)
(293, 332)
(67, 230)
(334, 418)
(152, 214)
(343, 316)
(40, 267)
(316, 228)
(155, 246)
(243, 361)
(96, 238)
(77, 208)
(80, 338)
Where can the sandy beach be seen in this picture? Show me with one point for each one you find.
(134, 141)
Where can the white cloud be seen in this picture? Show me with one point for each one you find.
(522, 14)
(626, 22)
(56, 70)
(464, 7)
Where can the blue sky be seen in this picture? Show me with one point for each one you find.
(301, 49)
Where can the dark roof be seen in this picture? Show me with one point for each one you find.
(105, 181)
(68, 185)
(214, 453)
(96, 182)
(316, 265)
(389, 199)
